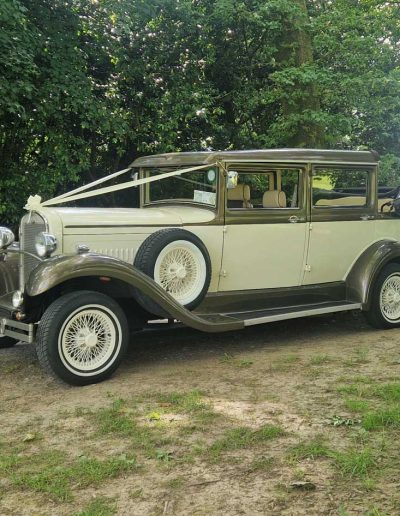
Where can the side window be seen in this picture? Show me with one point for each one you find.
(266, 189)
(339, 187)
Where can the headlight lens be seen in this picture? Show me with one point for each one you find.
(6, 237)
(17, 299)
(45, 244)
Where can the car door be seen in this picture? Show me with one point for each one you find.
(342, 220)
(265, 234)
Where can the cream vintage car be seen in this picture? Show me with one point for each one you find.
(215, 240)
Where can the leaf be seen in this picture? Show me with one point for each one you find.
(29, 438)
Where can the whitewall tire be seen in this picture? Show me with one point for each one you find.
(82, 337)
(179, 262)
(384, 311)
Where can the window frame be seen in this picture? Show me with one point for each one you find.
(268, 215)
(346, 212)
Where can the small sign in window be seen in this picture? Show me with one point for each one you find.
(205, 197)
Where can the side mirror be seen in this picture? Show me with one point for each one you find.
(232, 179)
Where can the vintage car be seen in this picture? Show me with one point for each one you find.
(215, 240)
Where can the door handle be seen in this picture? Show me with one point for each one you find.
(294, 218)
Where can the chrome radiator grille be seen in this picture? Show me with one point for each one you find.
(31, 225)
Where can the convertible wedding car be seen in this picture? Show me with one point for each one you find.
(215, 240)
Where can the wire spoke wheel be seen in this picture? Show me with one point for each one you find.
(389, 298)
(179, 262)
(82, 337)
(181, 270)
(88, 339)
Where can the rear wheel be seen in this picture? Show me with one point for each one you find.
(7, 342)
(384, 311)
(82, 337)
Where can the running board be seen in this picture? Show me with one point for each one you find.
(265, 316)
(237, 320)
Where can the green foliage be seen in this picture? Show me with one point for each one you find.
(85, 87)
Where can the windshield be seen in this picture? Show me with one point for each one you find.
(198, 187)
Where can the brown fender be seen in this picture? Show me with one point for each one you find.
(57, 270)
(364, 272)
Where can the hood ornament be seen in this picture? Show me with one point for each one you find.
(34, 202)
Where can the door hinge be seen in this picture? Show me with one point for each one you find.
(225, 229)
(310, 227)
(222, 274)
(307, 268)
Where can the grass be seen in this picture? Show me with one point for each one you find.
(388, 392)
(118, 420)
(359, 357)
(262, 463)
(357, 389)
(185, 403)
(318, 360)
(310, 450)
(356, 405)
(355, 463)
(191, 403)
(99, 507)
(285, 363)
(379, 406)
(227, 358)
(55, 478)
(50, 472)
(382, 418)
(244, 437)
(351, 462)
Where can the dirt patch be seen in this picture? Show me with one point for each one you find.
(179, 405)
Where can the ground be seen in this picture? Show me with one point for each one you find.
(291, 418)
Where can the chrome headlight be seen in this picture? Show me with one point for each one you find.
(17, 299)
(45, 244)
(6, 237)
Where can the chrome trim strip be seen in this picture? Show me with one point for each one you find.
(301, 313)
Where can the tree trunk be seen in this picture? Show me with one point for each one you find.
(302, 98)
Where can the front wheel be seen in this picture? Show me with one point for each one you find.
(384, 311)
(82, 337)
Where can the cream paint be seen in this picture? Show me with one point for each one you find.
(119, 232)
(333, 248)
(260, 256)
(212, 237)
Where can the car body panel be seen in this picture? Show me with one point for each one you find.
(58, 270)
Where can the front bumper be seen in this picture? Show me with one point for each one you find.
(17, 330)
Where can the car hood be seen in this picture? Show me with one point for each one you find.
(73, 219)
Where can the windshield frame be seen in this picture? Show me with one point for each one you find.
(144, 189)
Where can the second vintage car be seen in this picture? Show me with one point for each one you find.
(215, 240)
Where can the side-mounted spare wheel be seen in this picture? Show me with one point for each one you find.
(179, 262)
(384, 310)
(82, 337)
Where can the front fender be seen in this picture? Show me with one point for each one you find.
(57, 270)
(364, 272)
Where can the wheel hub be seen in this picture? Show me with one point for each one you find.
(177, 270)
(91, 340)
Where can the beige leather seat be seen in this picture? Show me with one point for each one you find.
(274, 199)
(239, 197)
